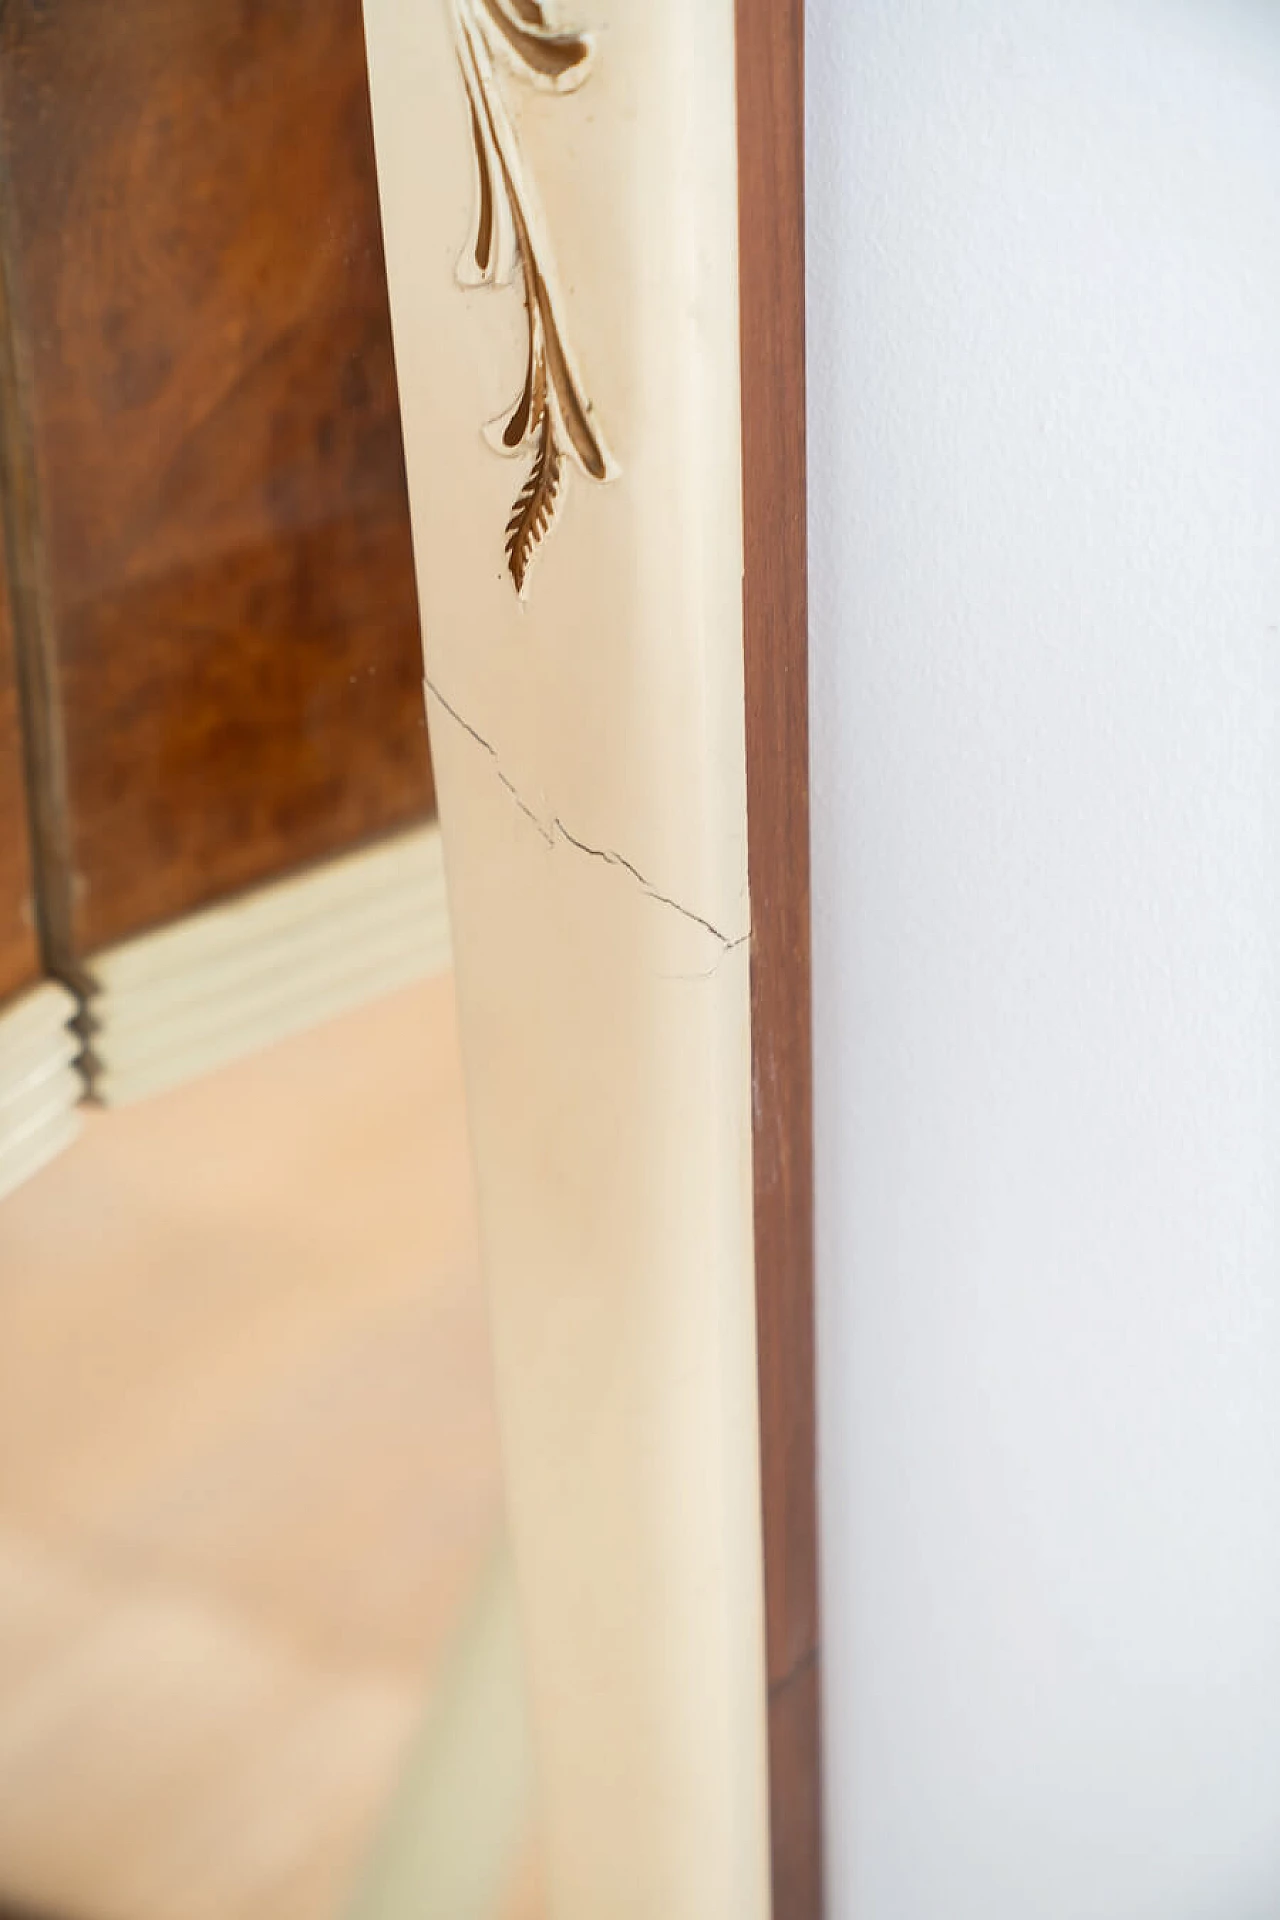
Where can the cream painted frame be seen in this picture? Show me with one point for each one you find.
(614, 721)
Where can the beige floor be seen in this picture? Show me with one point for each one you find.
(248, 1474)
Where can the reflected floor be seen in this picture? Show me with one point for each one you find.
(248, 1475)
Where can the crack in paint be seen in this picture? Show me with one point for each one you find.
(556, 830)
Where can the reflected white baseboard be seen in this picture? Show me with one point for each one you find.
(191, 997)
(40, 1084)
(466, 1805)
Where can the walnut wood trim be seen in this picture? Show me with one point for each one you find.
(771, 265)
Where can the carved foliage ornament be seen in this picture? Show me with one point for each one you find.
(553, 417)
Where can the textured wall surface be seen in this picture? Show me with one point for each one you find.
(1045, 419)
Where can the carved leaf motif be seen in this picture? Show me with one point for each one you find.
(490, 254)
(482, 247)
(534, 513)
(548, 56)
(575, 408)
(553, 414)
(531, 405)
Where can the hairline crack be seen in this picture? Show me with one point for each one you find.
(555, 829)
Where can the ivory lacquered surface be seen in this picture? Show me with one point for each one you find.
(586, 709)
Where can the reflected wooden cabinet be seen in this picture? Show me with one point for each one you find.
(210, 585)
(19, 948)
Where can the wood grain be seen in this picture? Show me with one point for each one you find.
(771, 251)
(196, 251)
(30, 628)
(19, 958)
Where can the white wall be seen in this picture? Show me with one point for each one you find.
(1045, 436)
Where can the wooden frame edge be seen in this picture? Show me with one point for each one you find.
(770, 76)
